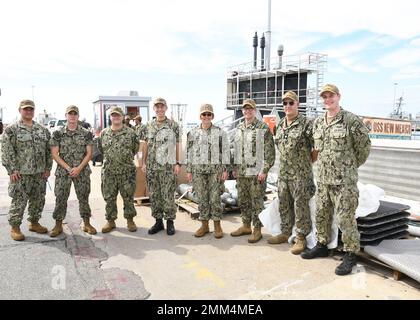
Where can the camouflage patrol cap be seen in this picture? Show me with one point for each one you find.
(290, 95)
(72, 108)
(26, 104)
(329, 88)
(159, 101)
(249, 103)
(206, 108)
(138, 117)
(116, 109)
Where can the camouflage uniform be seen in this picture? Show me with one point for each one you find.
(72, 149)
(295, 181)
(118, 169)
(343, 146)
(206, 149)
(140, 130)
(161, 158)
(26, 150)
(253, 153)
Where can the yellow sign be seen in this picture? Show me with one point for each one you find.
(388, 128)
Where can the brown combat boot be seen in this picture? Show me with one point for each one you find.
(218, 232)
(281, 238)
(256, 235)
(131, 226)
(299, 246)
(58, 229)
(16, 234)
(244, 230)
(204, 229)
(88, 227)
(108, 226)
(36, 227)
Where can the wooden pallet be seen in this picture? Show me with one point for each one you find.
(397, 275)
(142, 201)
(190, 207)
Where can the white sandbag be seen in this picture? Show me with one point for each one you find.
(270, 217)
(369, 196)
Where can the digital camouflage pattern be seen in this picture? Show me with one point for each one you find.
(125, 184)
(254, 153)
(161, 158)
(251, 199)
(162, 186)
(118, 149)
(253, 149)
(295, 179)
(161, 144)
(118, 170)
(208, 152)
(295, 144)
(32, 188)
(294, 196)
(343, 200)
(72, 149)
(26, 150)
(141, 131)
(343, 146)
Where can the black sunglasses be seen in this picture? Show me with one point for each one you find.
(207, 114)
(291, 103)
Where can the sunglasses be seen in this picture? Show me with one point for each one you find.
(207, 114)
(290, 103)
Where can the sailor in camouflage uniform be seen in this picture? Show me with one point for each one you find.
(161, 164)
(118, 144)
(71, 148)
(343, 145)
(295, 181)
(254, 155)
(207, 155)
(27, 158)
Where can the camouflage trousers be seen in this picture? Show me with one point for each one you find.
(162, 186)
(208, 190)
(294, 199)
(343, 200)
(251, 199)
(62, 192)
(125, 184)
(32, 189)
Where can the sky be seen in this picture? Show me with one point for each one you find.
(71, 52)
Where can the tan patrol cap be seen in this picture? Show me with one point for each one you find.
(290, 95)
(249, 102)
(159, 100)
(329, 88)
(116, 109)
(72, 108)
(26, 104)
(206, 108)
(138, 117)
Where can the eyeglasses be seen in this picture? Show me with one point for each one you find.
(206, 114)
(291, 103)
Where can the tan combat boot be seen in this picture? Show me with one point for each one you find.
(256, 235)
(58, 229)
(131, 226)
(299, 246)
(16, 234)
(218, 232)
(245, 229)
(36, 227)
(281, 238)
(108, 226)
(88, 227)
(204, 229)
